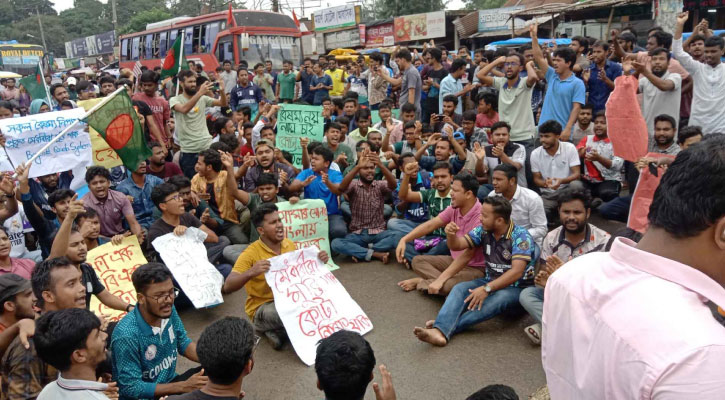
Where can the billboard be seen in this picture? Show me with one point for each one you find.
(102, 43)
(498, 19)
(379, 35)
(335, 17)
(420, 26)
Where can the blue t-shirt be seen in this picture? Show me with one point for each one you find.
(248, 96)
(598, 90)
(318, 190)
(305, 81)
(516, 244)
(141, 358)
(143, 206)
(561, 96)
(320, 93)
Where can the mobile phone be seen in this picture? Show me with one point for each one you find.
(215, 86)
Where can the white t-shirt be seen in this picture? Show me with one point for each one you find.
(556, 166)
(656, 101)
(15, 226)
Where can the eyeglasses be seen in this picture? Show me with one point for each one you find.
(175, 197)
(510, 64)
(168, 296)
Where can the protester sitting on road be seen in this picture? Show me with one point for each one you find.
(251, 266)
(602, 170)
(511, 255)
(527, 208)
(138, 187)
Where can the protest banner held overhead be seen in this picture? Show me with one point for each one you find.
(295, 121)
(305, 223)
(26, 136)
(311, 302)
(103, 154)
(114, 265)
(186, 258)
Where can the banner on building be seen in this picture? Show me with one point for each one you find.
(336, 17)
(379, 35)
(103, 43)
(499, 19)
(420, 26)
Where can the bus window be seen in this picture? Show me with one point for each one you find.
(203, 29)
(149, 46)
(124, 49)
(212, 33)
(195, 44)
(162, 44)
(225, 49)
(135, 47)
(188, 40)
(172, 37)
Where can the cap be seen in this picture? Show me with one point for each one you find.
(12, 284)
(459, 136)
(265, 142)
(71, 81)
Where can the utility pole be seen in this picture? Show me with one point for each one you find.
(275, 6)
(113, 11)
(42, 34)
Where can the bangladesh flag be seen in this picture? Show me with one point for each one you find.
(118, 124)
(34, 85)
(173, 62)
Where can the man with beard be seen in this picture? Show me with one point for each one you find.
(504, 151)
(147, 341)
(43, 186)
(157, 164)
(342, 153)
(138, 187)
(664, 140)
(444, 146)
(245, 93)
(251, 266)
(368, 237)
(74, 342)
(16, 300)
(695, 46)
(190, 116)
(527, 208)
(661, 89)
(264, 162)
(600, 76)
(575, 237)
(709, 80)
(602, 173)
(583, 126)
(158, 105)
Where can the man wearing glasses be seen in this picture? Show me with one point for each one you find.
(149, 339)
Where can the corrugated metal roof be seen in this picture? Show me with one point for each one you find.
(467, 25)
(560, 7)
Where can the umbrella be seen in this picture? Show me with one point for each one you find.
(8, 74)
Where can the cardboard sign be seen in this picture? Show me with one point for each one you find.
(305, 223)
(295, 121)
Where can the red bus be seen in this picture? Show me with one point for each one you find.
(209, 41)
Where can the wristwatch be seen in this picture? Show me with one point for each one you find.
(487, 289)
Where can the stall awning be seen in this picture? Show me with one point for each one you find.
(554, 8)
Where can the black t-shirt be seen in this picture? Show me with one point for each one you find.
(199, 395)
(437, 77)
(92, 283)
(161, 228)
(146, 111)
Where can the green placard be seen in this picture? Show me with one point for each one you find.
(376, 117)
(305, 223)
(295, 121)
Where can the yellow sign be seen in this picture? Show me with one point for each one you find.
(114, 265)
(21, 53)
(103, 154)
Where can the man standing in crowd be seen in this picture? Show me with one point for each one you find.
(436, 74)
(339, 79)
(410, 83)
(451, 84)
(159, 106)
(661, 89)
(304, 77)
(190, 116)
(245, 93)
(600, 77)
(228, 76)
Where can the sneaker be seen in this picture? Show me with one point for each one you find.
(534, 333)
(274, 339)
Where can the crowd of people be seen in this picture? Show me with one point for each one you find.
(481, 177)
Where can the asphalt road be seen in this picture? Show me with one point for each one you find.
(496, 351)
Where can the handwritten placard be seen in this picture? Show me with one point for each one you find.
(311, 302)
(295, 121)
(26, 136)
(114, 265)
(305, 223)
(103, 154)
(186, 258)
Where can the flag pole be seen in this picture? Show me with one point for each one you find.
(47, 92)
(71, 126)
(181, 59)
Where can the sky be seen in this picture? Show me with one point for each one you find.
(61, 5)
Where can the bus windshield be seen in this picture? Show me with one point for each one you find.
(268, 47)
(20, 58)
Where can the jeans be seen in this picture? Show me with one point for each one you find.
(402, 226)
(484, 190)
(606, 190)
(187, 161)
(454, 316)
(235, 232)
(617, 209)
(532, 300)
(336, 226)
(363, 245)
(430, 268)
(214, 250)
(232, 253)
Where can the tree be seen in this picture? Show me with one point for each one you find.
(483, 4)
(86, 18)
(139, 21)
(395, 8)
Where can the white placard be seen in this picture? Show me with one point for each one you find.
(25, 136)
(311, 302)
(185, 256)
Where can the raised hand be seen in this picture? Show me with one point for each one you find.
(682, 18)
(304, 141)
(387, 392)
(227, 160)
(411, 169)
(534, 30)
(479, 151)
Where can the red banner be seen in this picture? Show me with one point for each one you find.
(379, 35)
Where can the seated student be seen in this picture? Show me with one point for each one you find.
(112, 206)
(448, 114)
(11, 265)
(527, 208)
(194, 205)
(688, 136)
(43, 186)
(487, 105)
(439, 273)
(246, 148)
(249, 272)
(349, 110)
(311, 180)
(511, 255)
(57, 285)
(385, 113)
(341, 152)
(472, 133)
(444, 146)
(89, 225)
(362, 119)
(73, 342)
(225, 362)
(555, 166)
(70, 243)
(575, 237)
(473, 165)
(58, 202)
(503, 151)
(157, 164)
(409, 214)
(368, 237)
(411, 144)
(210, 183)
(435, 199)
(395, 127)
(264, 161)
(602, 169)
(174, 218)
(138, 186)
(16, 300)
(583, 126)
(344, 363)
(148, 340)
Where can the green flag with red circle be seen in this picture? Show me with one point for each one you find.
(173, 63)
(119, 126)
